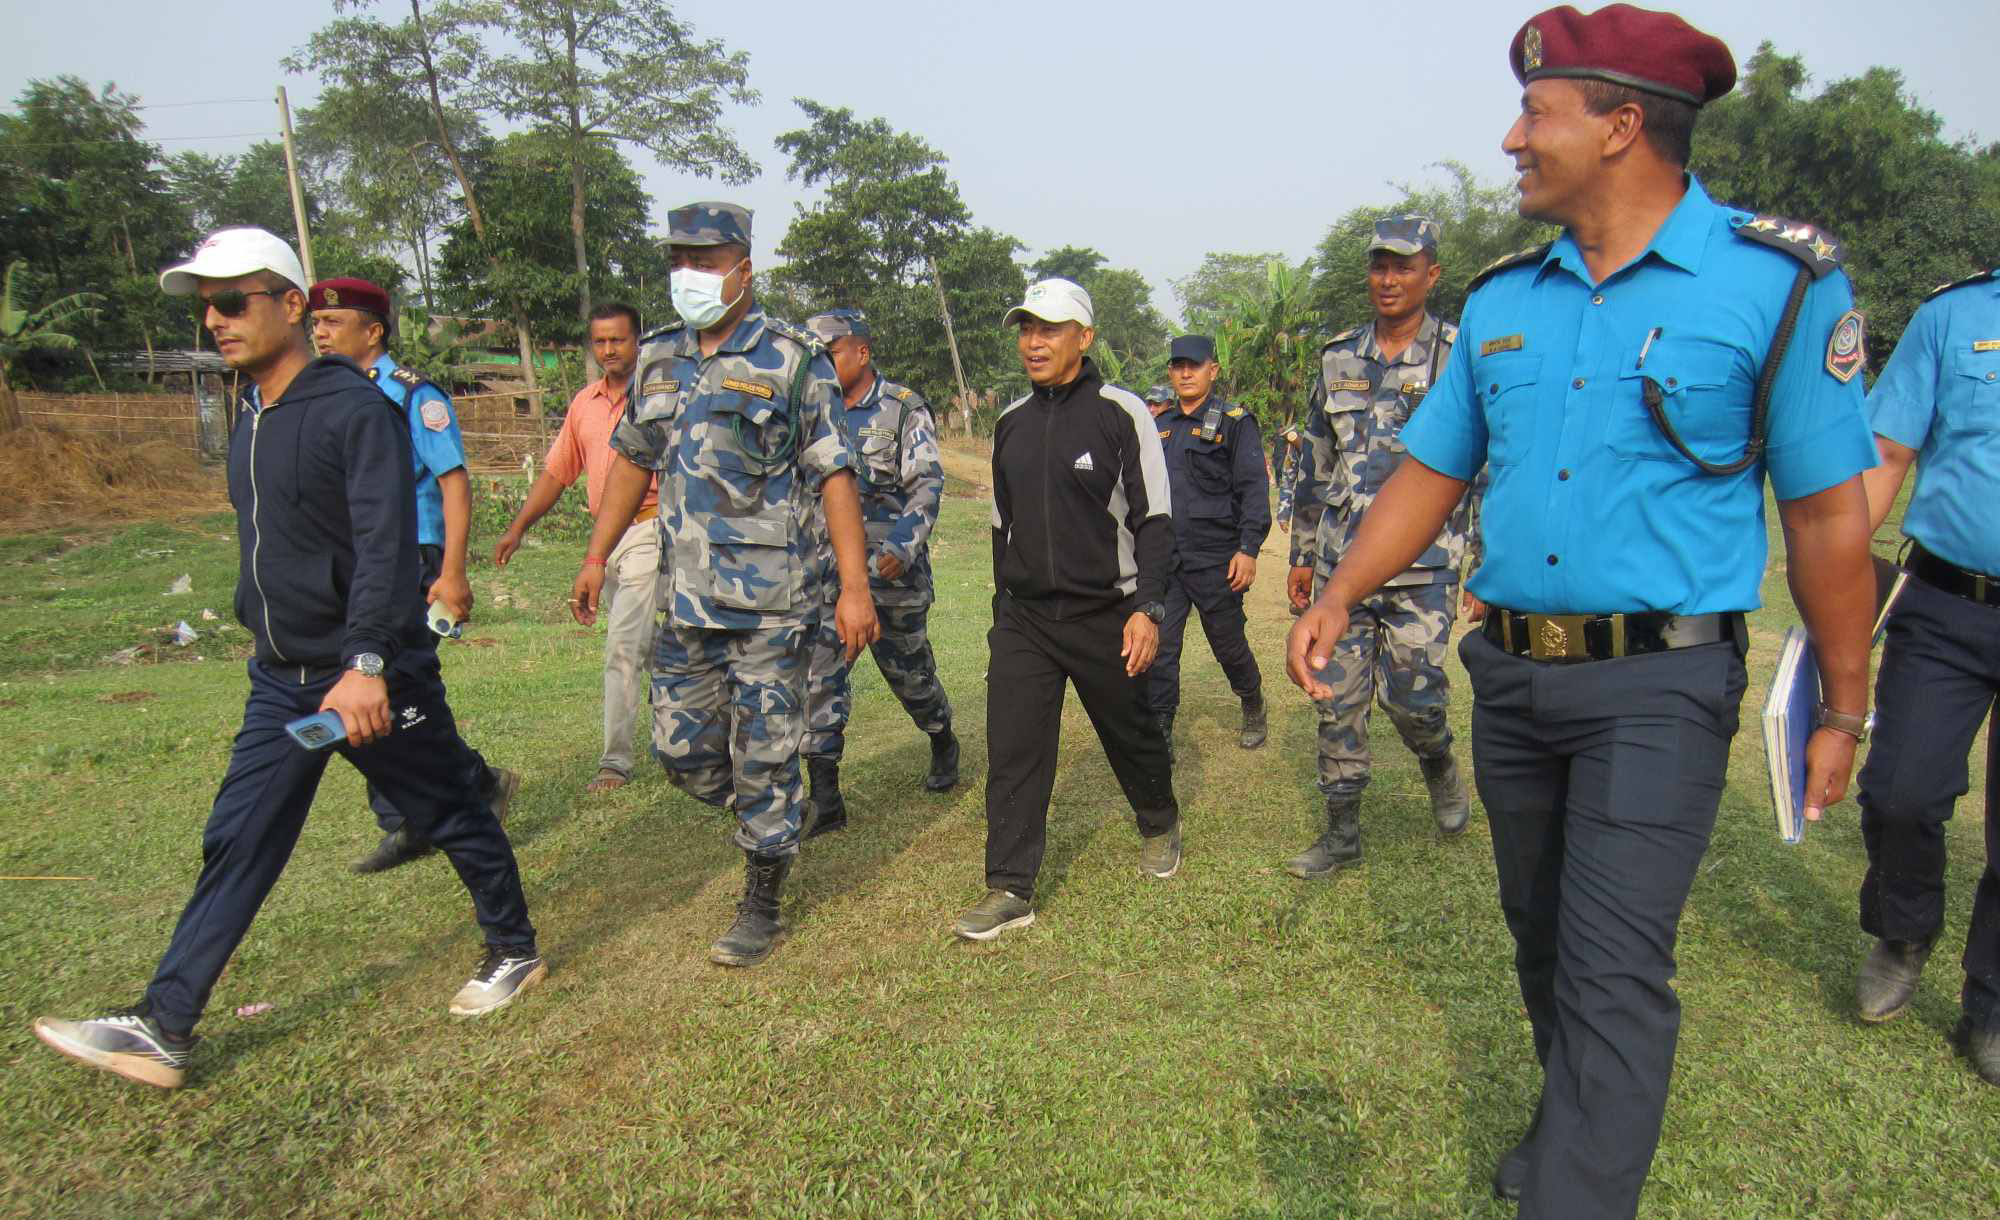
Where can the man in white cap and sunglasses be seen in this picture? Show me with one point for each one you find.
(321, 476)
(1083, 542)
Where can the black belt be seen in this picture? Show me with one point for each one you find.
(1935, 572)
(1601, 637)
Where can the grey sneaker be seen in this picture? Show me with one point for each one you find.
(1449, 803)
(1160, 856)
(503, 974)
(1000, 911)
(1888, 978)
(124, 1042)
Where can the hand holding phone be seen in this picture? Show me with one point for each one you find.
(318, 731)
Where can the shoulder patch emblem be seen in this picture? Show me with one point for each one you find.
(436, 416)
(1505, 343)
(749, 387)
(1847, 349)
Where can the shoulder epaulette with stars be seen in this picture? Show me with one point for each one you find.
(1981, 278)
(408, 378)
(1234, 413)
(1448, 331)
(901, 391)
(1520, 258)
(668, 329)
(1344, 336)
(797, 334)
(1818, 250)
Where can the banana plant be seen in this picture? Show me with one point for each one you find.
(24, 330)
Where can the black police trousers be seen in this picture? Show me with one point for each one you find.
(1207, 590)
(1031, 658)
(423, 764)
(430, 562)
(1601, 781)
(1939, 675)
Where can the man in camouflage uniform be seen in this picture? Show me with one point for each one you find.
(740, 414)
(1222, 514)
(1158, 399)
(902, 482)
(1285, 468)
(1371, 378)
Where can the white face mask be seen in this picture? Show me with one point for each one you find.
(698, 295)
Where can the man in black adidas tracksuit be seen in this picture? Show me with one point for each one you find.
(1082, 545)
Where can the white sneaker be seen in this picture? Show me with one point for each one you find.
(502, 975)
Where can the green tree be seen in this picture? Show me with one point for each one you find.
(1268, 341)
(24, 329)
(888, 212)
(589, 73)
(1214, 289)
(521, 258)
(252, 188)
(1863, 160)
(86, 202)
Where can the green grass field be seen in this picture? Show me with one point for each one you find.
(1232, 1043)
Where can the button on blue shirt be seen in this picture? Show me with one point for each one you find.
(1940, 395)
(1590, 509)
(434, 443)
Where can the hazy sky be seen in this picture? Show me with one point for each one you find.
(1154, 133)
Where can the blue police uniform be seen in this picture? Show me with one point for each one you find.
(1601, 780)
(436, 449)
(435, 444)
(1940, 671)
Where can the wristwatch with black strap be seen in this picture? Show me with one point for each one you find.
(1157, 611)
(367, 664)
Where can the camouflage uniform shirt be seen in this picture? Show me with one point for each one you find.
(902, 482)
(1353, 441)
(741, 441)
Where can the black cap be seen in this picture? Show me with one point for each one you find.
(1198, 348)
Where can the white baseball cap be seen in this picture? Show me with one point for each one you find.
(228, 253)
(1053, 301)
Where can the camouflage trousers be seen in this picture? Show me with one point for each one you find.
(1393, 651)
(903, 654)
(729, 713)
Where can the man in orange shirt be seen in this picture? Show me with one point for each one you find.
(633, 567)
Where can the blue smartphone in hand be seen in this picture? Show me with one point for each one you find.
(318, 731)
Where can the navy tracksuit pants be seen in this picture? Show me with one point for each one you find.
(423, 765)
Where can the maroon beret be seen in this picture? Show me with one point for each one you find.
(349, 294)
(1655, 52)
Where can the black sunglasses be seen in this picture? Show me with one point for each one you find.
(231, 303)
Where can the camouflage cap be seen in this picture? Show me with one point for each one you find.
(1159, 393)
(1405, 235)
(839, 324)
(709, 224)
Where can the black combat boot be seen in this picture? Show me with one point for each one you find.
(1338, 848)
(828, 811)
(1256, 724)
(944, 761)
(749, 940)
(1449, 803)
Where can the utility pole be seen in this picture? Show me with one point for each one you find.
(951, 341)
(298, 196)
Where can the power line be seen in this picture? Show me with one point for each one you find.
(220, 101)
(233, 135)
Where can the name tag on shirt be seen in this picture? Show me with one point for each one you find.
(1986, 345)
(1351, 383)
(749, 387)
(667, 386)
(1506, 343)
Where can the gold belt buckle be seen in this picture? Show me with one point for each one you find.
(1980, 587)
(1557, 637)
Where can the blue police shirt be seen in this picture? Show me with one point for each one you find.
(1590, 509)
(1940, 395)
(434, 443)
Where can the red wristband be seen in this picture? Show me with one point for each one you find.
(592, 561)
